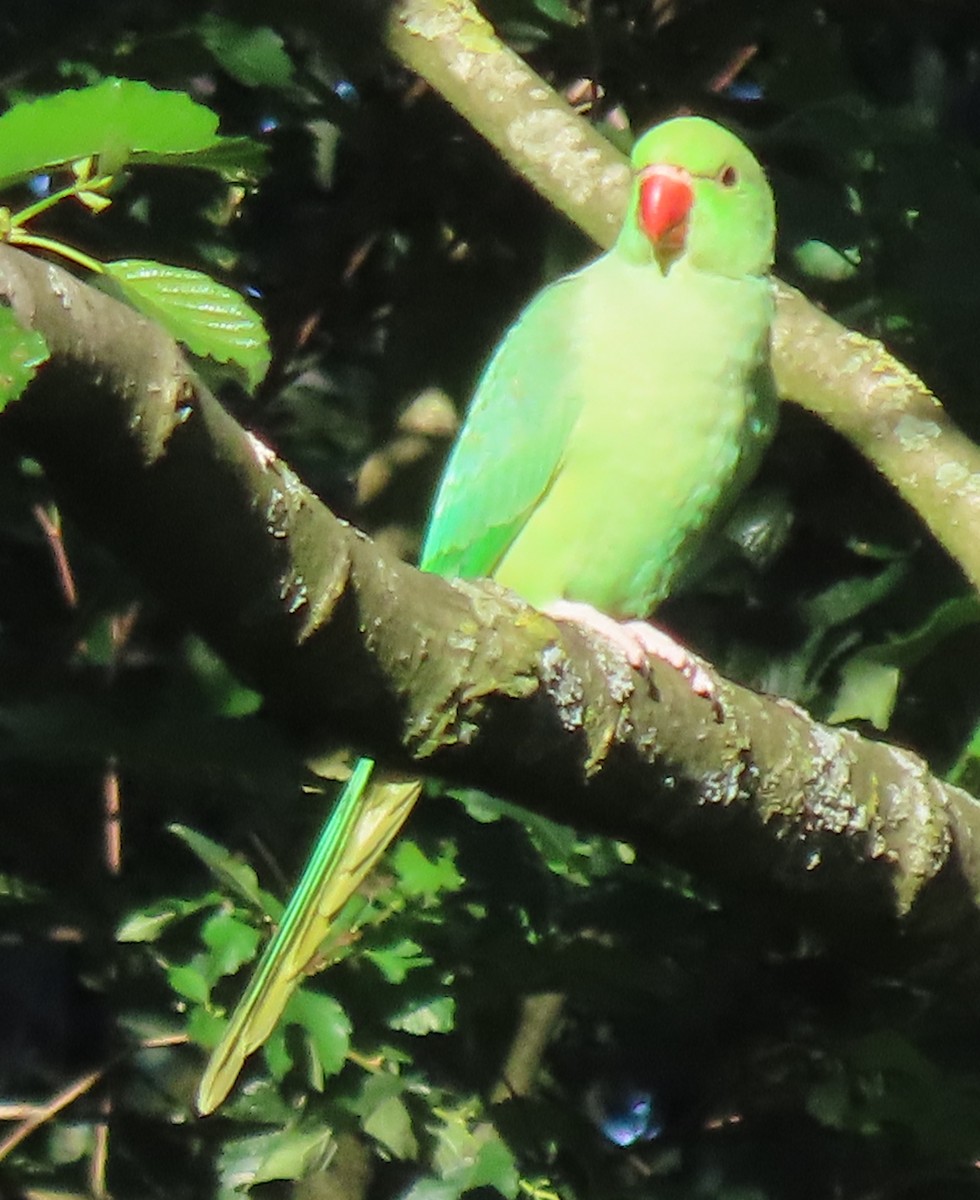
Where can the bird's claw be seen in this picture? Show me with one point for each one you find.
(638, 642)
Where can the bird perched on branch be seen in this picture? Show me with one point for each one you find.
(615, 424)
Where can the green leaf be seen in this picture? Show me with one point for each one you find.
(495, 1167)
(428, 1016)
(146, 924)
(188, 981)
(422, 876)
(563, 849)
(234, 874)
(276, 1053)
(286, 1154)
(822, 261)
(327, 1024)
(227, 695)
(235, 159)
(231, 941)
(867, 692)
(204, 1027)
(469, 1156)
(436, 1189)
(384, 1115)
(22, 351)
(119, 120)
(395, 961)
(848, 598)
(210, 319)
(254, 55)
(947, 619)
(391, 1124)
(559, 11)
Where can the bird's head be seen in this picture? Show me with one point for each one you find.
(699, 196)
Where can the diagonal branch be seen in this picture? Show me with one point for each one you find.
(461, 680)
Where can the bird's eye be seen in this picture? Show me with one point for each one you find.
(728, 176)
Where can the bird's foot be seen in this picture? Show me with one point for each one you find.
(637, 641)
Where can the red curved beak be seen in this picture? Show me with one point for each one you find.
(666, 199)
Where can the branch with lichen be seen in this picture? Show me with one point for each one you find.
(460, 680)
(848, 380)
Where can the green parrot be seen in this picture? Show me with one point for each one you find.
(614, 425)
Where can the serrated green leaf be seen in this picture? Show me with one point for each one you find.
(22, 351)
(429, 1016)
(118, 119)
(210, 319)
(327, 1025)
(234, 874)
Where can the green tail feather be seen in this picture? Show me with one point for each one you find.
(354, 838)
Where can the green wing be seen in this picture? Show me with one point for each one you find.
(510, 448)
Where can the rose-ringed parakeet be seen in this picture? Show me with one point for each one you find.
(616, 422)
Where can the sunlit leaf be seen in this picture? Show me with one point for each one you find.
(204, 1027)
(422, 876)
(391, 1124)
(437, 1015)
(327, 1025)
(867, 692)
(117, 120)
(395, 961)
(232, 942)
(188, 981)
(146, 924)
(210, 319)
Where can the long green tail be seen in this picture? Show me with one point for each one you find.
(364, 820)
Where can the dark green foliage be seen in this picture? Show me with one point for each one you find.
(750, 1054)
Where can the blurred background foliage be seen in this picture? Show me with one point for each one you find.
(700, 1044)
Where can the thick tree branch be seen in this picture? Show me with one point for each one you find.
(461, 680)
(848, 380)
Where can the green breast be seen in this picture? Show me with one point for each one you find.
(677, 406)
